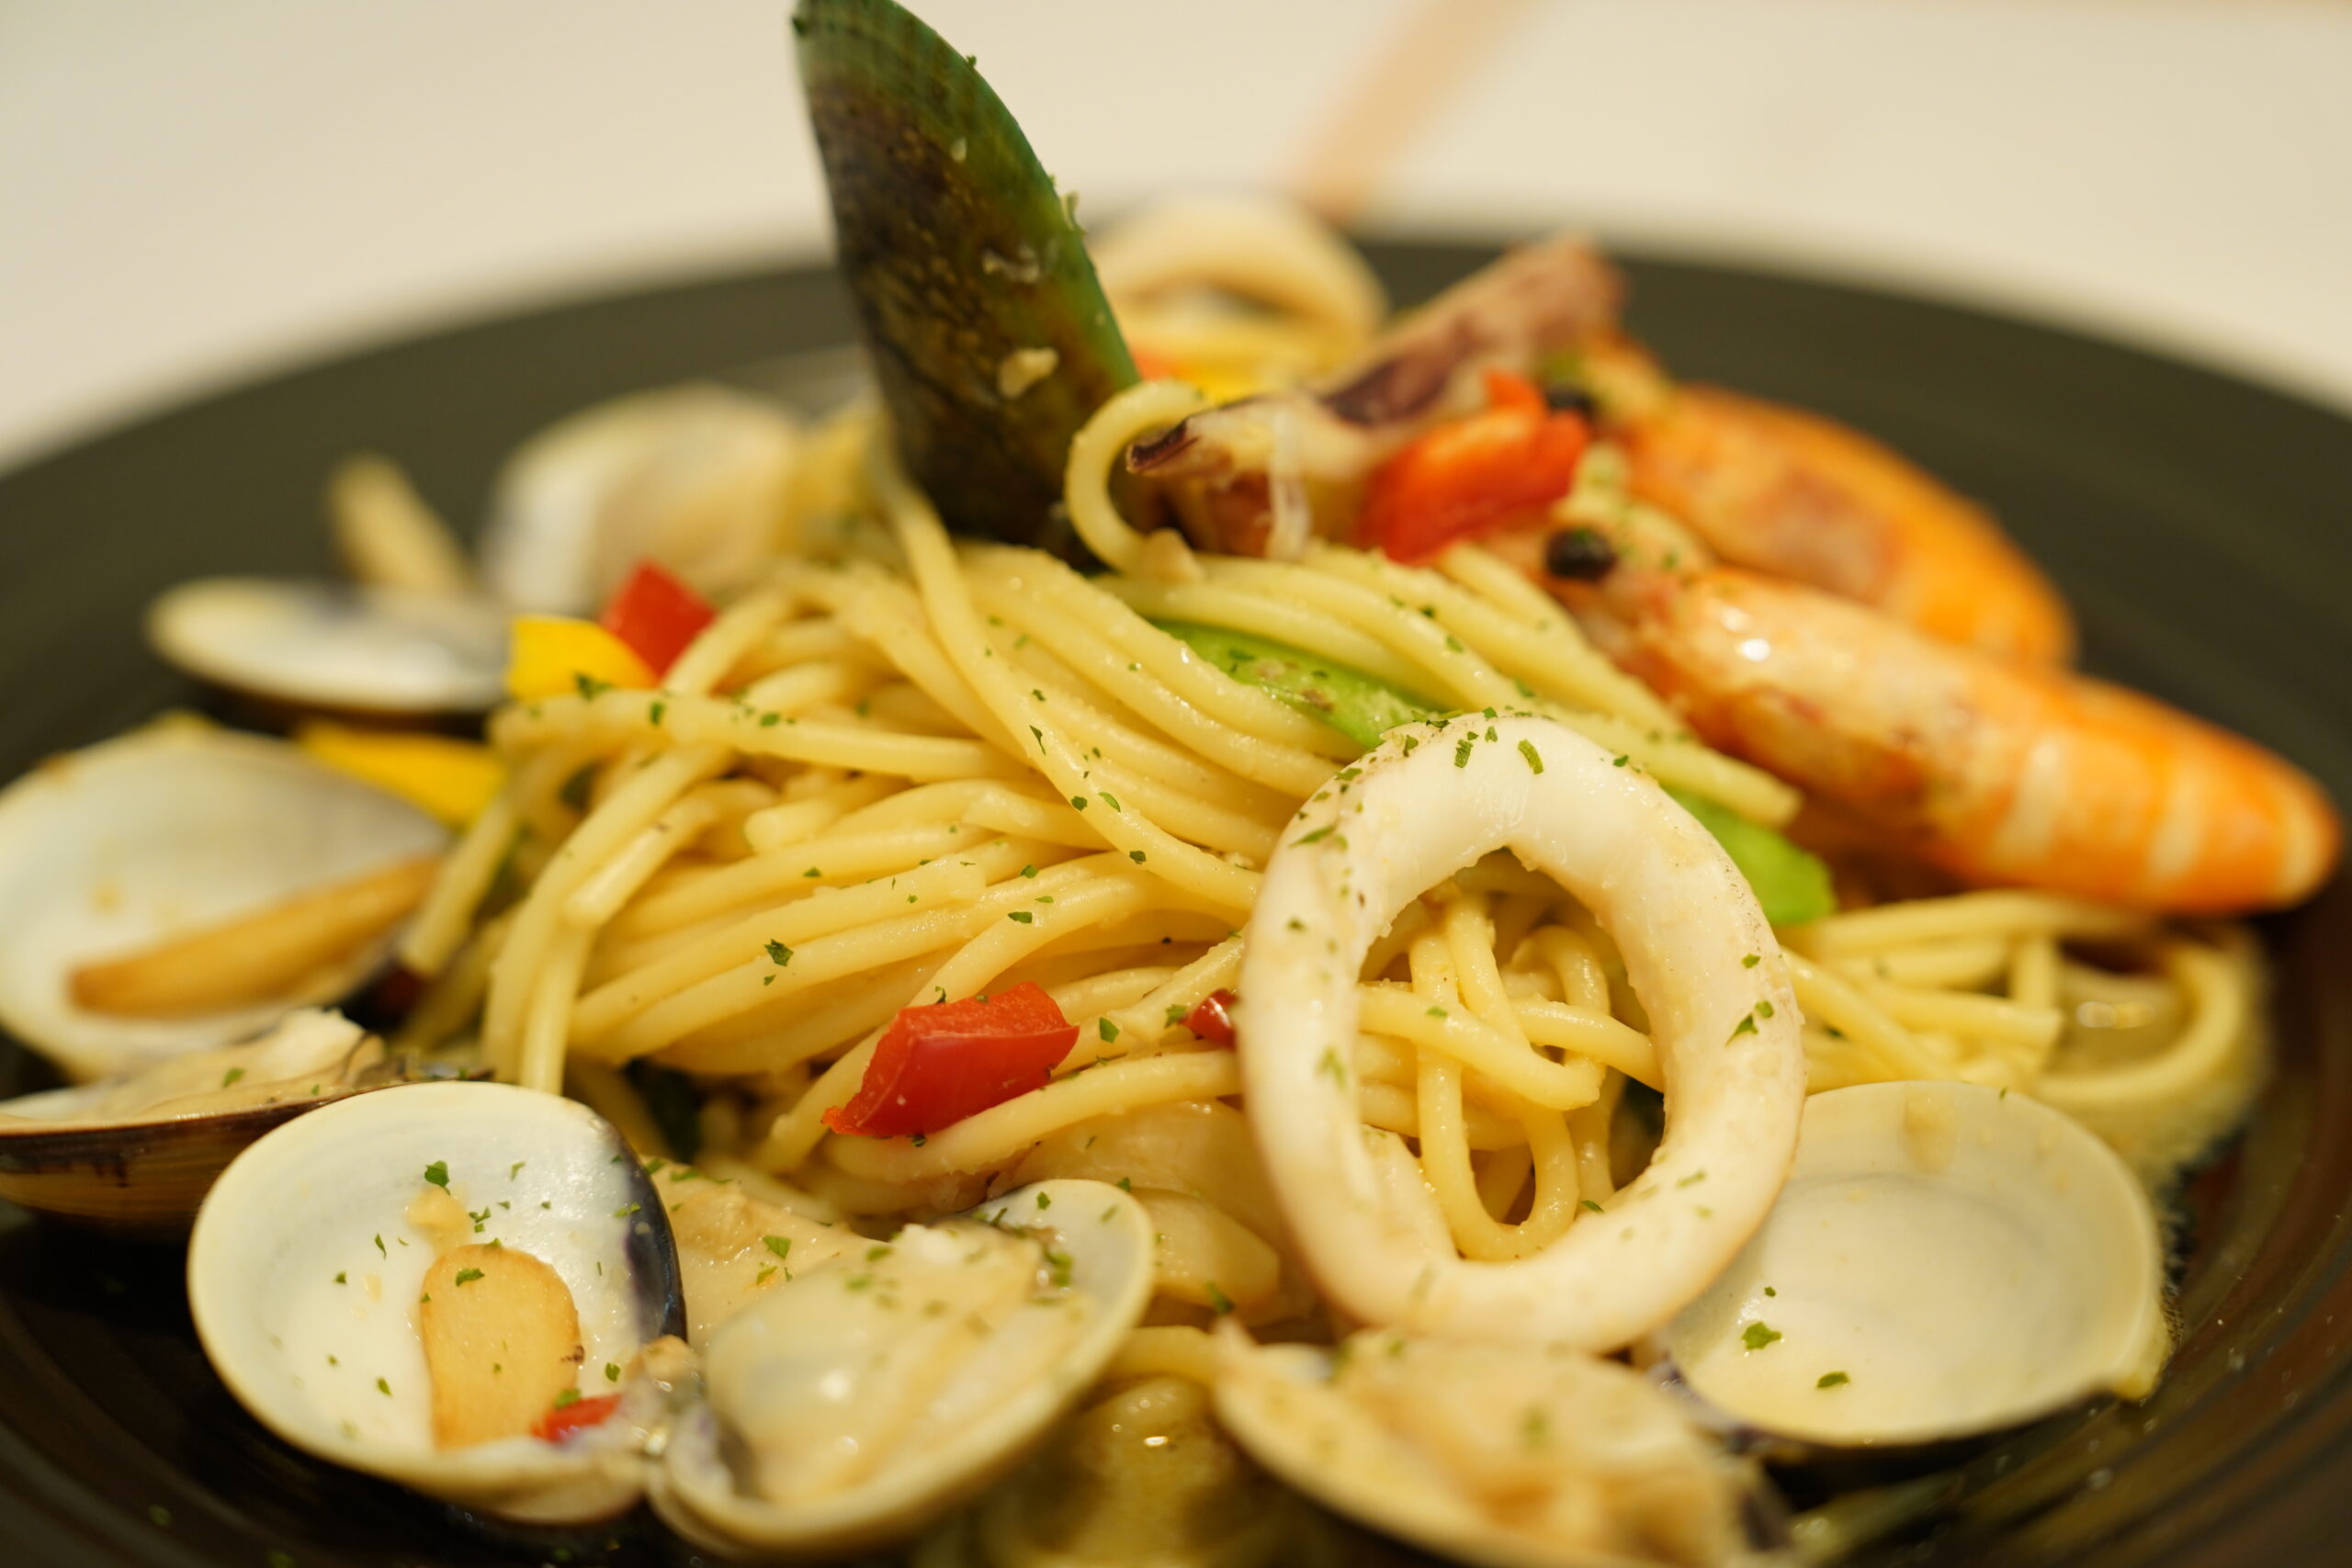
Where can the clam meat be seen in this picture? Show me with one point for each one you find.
(890, 1383)
(185, 886)
(447, 1285)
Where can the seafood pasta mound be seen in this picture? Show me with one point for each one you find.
(1207, 924)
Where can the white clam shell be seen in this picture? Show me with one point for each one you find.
(310, 1202)
(1967, 1259)
(1107, 1239)
(330, 645)
(1583, 1462)
(695, 477)
(108, 850)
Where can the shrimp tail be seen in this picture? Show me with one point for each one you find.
(1999, 771)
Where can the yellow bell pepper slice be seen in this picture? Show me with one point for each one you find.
(550, 655)
(454, 780)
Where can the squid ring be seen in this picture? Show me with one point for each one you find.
(1431, 800)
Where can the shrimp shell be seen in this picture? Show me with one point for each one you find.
(1996, 771)
(1801, 497)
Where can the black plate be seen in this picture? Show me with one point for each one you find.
(2196, 522)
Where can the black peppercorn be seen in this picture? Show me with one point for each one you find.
(1581, 554)
(1566, 397)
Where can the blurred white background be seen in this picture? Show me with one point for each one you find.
(191, 193)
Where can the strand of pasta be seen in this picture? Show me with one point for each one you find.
(1194, 721)
(1099, 887)
(1553, 657)
(949, 604)
(605, 828)
(1170, 664)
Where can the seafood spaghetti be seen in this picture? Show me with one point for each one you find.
(1397, 946)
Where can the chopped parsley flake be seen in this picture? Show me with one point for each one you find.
(1028, 871)
(779, 954)
(779, 1245)
(1590, 1204)
(1135, 856)
(1044, 1201)
(1763, 1009)
(438, 1173)
(1746, 1026)
(1316, 837)
(1832, 1380)
(514, 1169)
(1751, 961)
(1127, 1184)
(1534, 759)
(467, 1276)
(589, 685)
(383, 1388)
(1022, 917)
(612, 1373)
(625, 1210)
(1757, 1335)
(1220, 1303)
(568, 1398)
(231, 1076)
(1106, 1029)
(1461, 753)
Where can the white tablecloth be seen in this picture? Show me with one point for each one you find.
(191, 193)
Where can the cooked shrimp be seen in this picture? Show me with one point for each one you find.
(1798, 496)
(1999, 771)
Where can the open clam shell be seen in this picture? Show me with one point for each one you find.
(174, 827)
(1945, 1260)
(309, 1258)
(334, 646)
(859, 1403)
(696, 477)
(136, 1154)
(1509, 1455)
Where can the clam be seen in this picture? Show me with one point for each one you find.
(180, 828)
(696, 477)
(137, 1153)
(334, 646)
(421, 1284)
(413, 1282)
(1946, 1260)
(870, 1395)
(1516, 1455)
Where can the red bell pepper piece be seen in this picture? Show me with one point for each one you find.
(1212, 1018)
(1471, 475)
(656, 615)
(578, 1415)
(938, 1064)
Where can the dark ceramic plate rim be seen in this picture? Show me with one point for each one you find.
(2241, 1457)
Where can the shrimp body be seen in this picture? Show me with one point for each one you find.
(1998, 770)
(1801, 497)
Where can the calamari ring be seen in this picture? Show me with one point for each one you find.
(1433, 799)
